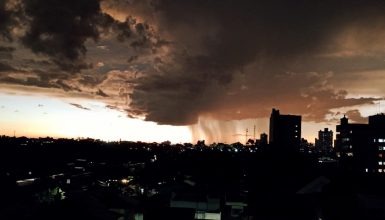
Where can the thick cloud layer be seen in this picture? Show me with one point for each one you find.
(6, 21)
(173, 62)
(60, 28)
(237, 59)
(48, 43)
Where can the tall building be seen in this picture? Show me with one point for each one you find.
(285, 131)
(324, 143)
(362, 145)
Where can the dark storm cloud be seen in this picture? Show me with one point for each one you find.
(237, 59)
(25, 79)
(29, 82)
(5, 67)
(7, 21)
(60, 29)
(174, 61)
(6, 53)
(6, 49)
(53, 44)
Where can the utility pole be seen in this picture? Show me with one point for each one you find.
(254, 132)
(247, 130)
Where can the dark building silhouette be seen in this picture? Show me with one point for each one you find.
(263, 139)
(324, 143)
(305, 146)
(285, 131)
(262, 142)
(362, 145)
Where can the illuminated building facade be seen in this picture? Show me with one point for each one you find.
(324, 143)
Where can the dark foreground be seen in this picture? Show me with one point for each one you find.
(88, 179)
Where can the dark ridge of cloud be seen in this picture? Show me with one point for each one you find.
(4, 67)
(30, 62)
(6, 53)
(6, 49)
(27, 80)
(39, 82)
(36, 77)
(66, 87)
(6, 21)
(6, 56)
(80, 106)
(92, 80)
(11, 80)
(101, 93)
(132, 58)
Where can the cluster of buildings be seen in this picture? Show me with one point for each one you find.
(360, 147)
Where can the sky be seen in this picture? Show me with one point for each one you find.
(155, 70)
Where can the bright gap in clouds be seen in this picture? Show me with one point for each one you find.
(40, 116)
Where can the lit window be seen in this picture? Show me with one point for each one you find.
(383, 148)
(380, 170)
(349, 154)
(366, 170)
(379, 162)
(380, 155)
(381, 140)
